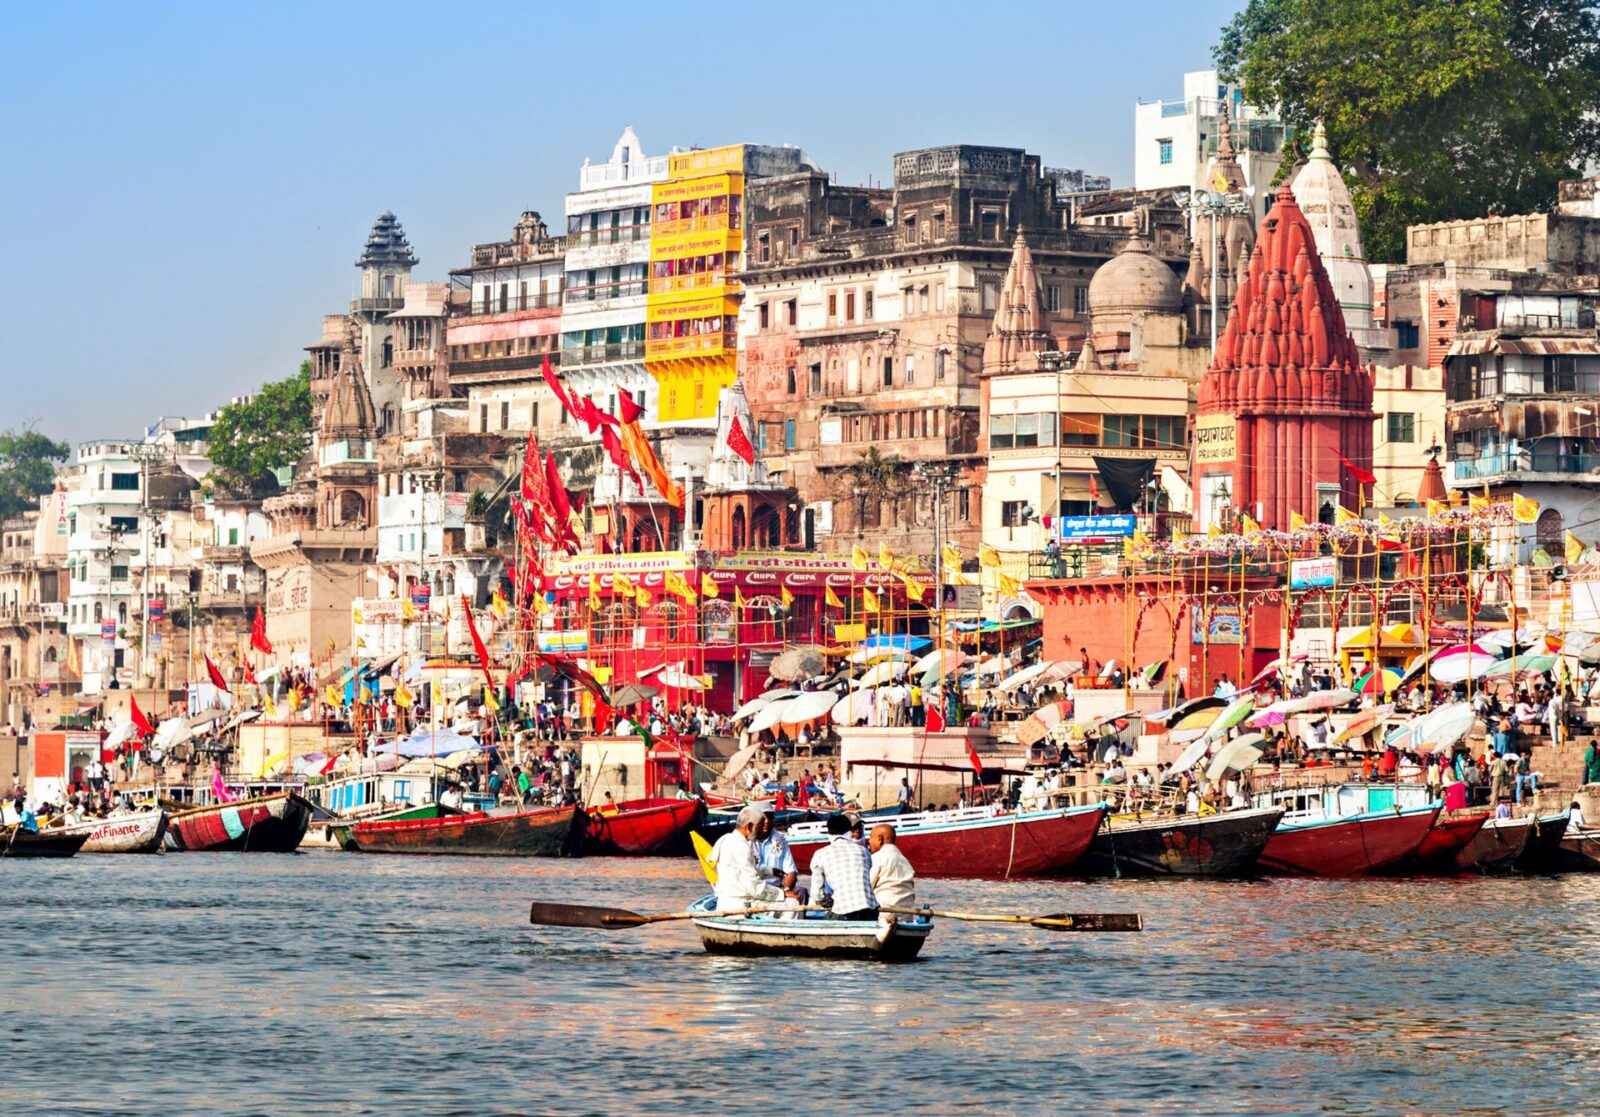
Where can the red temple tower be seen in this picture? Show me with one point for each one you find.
(1286, 394)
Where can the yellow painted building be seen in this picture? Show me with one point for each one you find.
(692, 308)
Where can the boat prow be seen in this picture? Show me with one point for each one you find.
(130, 833)
(811, 934)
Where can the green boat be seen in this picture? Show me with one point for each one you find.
(341, 833)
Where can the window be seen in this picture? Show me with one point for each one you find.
(964, 504)
(1122, 430)
(1164, 152)
(125, 524)
(1402, 426)
(833, 304)
(483, 418)
(938, 362)
(125, 482)
(911, 370)
(888, 372)
(761, 437)
(989, 224)
(794, 236)
(1013, 513)
(816, 379)
(505, 414)
(119, 573)
(866, 306)
(922, 300)
(762, 312)
(938, 225)
(1080, 300)
(789, 379)
(1002, 432)
(1163, 432)
(938, 296)
(911, 229)
(1405, 335)
(991, 294)
(849, 306)
(788, 434)
(1080, 430)
(789, 312)
(1052, 298)
(766, 253)
(233, 537)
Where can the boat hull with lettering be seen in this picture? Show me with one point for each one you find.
(143, 832)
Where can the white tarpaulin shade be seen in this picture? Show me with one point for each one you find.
(880, 673)
(953, 661)
(770, 715)
(1460, 666)
(807, 707)
(1011, 682)
(930, 661)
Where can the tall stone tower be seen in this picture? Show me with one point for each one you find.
(386, 262)
(1286, 394)
(1325, 200)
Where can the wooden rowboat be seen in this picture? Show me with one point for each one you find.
(339, 832)
(1496, 846)
(1215, 845)
(129, 833)
(643, 827)
(17, 842)
(813, 935)
(269, 824)
(1580, 851)
(1544, 844)
(541, 832)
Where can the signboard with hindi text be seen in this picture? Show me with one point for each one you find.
(1316, 573)
(1098, 529)
(1215, 439)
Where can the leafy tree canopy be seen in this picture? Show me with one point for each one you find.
(270, 431)
(27, 468)
(1437, 110)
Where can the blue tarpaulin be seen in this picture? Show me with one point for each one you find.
(899, 642)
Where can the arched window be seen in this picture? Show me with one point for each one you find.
(122, 613)
(737, 532)
(1549, 529)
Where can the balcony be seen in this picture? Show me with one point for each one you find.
(692, 345)
(223, 553)
(511, 304)
(358, 306)
(706, 281)
(603, 354)
(1526, 467)
(604, 292)
(619, 234)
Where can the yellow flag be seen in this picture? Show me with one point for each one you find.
(788, 598)
(885, 556)
(858, 557)
(708, 585)
(594, 592)
(266, 703)
(914, 588)
(498, 603)
(408, 611)
(402, 696)
(436, 693)
(1127, 552)
(355, 615)
(1477, 503)
(361, 641)
(1009, 586)
(1297, 521)
(869, 600)
(1524, 509)
(831, 598)
(642, 597)
(952, 555)
(540, 603)
(331, 697)
(1219, 181)
(1213, 531)
(738, 598)
(988, 556)
(490, 701)
(622, 584)
(1436, 508)
(1248, 526)
(1574, 549)
(296, 697)
(1343, 515)
(1384, 522)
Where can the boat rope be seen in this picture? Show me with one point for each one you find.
(1012, 856)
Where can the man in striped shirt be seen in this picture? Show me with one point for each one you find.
(844, 866)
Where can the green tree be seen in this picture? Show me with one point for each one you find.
(1436, 110)
(270, 431)
(27, 468)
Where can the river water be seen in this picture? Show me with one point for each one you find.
(333, 983)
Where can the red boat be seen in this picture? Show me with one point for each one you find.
(1442, 845)
(541, 832)
(269, 824)
(642, 827)
(1348, 846)
(977, 843)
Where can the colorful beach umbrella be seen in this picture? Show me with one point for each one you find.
(1236, 712)
(1379, 680)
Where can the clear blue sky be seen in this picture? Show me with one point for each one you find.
(185, 187)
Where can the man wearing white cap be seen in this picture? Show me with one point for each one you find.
(740, 883)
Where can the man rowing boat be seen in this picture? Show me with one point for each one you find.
(740, 882)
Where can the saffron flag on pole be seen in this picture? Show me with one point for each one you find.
(708, 585)
(914, 588)
(885, 556)
(952, 555)
(972, 755)
(1343, 515)
(869, 600)
(830, 598)
(1574, 549)
(1009, 586)
(1296, 521)
(594, 593)
(738, 598)
(1524, 509)
(1365, 476)
(1436, 508)
(477, 640)
(988, 556)
(216, 676)
(628, 408)
(622, 585)
(739, 442)
(258, 633)
(786, 597)
(858, 558)
(330, 697)
(136, 715)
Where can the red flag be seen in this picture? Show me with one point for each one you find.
(628, 408)
(739, 444)
(1094, 491)
(258, 633)
(216, 676)
(578, 675)
(140, 722)
(1365, 476)
(972, 755)
(531, 478)
(935, 720)
(249, 672)
(477, 641)
(559, 500)
(555, 385)
(613, 448)
(328, 764)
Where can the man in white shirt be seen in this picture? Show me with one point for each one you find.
(893, 880)
(844, 866)
(739, 880)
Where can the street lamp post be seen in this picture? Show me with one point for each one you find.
(145, 453)
(1215, 205)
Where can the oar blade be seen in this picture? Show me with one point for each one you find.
(582, 915)
(1091, 921)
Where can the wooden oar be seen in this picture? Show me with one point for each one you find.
(1061, 921)
(616, 919)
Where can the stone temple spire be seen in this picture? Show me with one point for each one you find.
(1018, 326)
(387, 244)
(1325, 200)
(1286, 393)
(727, 471)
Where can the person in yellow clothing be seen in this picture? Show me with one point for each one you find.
(918, 716)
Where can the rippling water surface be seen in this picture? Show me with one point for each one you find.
(336, 983)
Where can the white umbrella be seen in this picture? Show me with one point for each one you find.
(878, 655)
(995, 665)
(118, 736)
(807, 707)
(773, 713)
(681, 679)
(1011, 682)
(1190, 756)
(761, 700)
(930, 661)
(953, 661)
(1460, 666)
(1238, 754)
(851, 708)
(1319, 700)
(880, 673)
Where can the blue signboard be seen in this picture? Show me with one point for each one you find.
(1098, 529)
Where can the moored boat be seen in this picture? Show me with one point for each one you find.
(141, 832)
(1441, 847)
(978, 842)
(720, 820)
(1348, 845)
(268, 824)
(1544, 844)
(885, 939)
(1496, 846)
(339, 832)
(540, 832)
(1215, 845)
(1580, 851)
(17, 842)
(641, 827)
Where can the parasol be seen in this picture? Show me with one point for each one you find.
(1027, 674)
(1460, 665)
(798, 663)
(1319, 700)
(1063, 670)
(880, 673)
(1190, 756)
(1037, 725)
(1236, 755)
(1236, 712)
(761, 700)
(1523, 664)
(632, 693)
(1364, 722)
(1378, 680)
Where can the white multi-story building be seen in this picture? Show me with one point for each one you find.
(105, 526)
(1175, 140)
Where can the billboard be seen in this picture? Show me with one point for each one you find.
(961, 599)
(1317, 573)
(1098, 529)
(1223, 626)
(1215, 439)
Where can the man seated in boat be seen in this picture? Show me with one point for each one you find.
(844, 869)
(894, 882)
(775, 859)
(740, 883)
